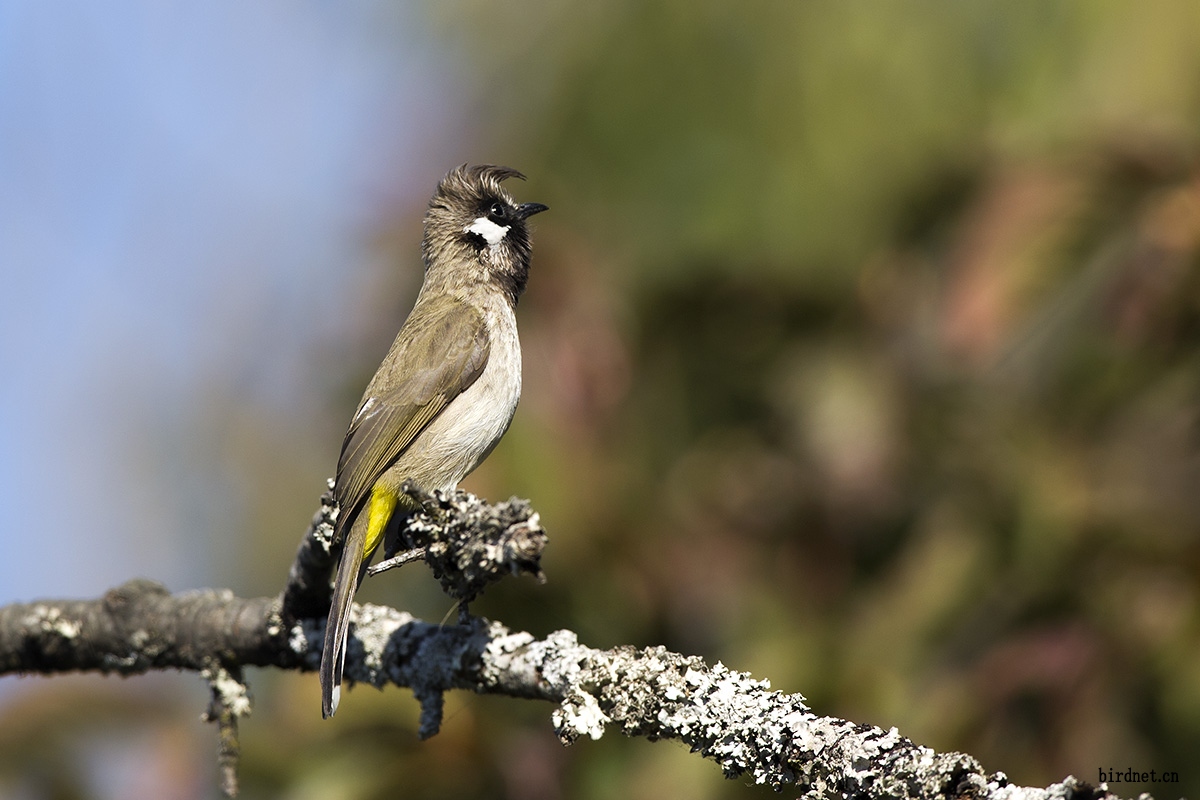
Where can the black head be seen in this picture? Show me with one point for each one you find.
(474, 231)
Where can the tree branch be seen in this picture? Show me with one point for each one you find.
(726, 716)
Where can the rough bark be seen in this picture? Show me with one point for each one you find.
(736, 721)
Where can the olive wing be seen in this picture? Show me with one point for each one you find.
(440, 351)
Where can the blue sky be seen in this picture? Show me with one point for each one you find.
(186, 188)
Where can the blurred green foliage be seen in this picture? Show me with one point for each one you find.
(875, 366)
(869, 357)
(863, 353)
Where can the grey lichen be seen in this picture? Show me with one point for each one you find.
(374, 628)
(728, 716)
(229, 691)
(49, 619)
(469, 543)
(579, 714)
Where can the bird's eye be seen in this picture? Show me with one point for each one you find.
(497, 211)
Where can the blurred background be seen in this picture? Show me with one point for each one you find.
(862, 352)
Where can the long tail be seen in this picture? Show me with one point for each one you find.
(333, 656)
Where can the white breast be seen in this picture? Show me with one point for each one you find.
(471, 425)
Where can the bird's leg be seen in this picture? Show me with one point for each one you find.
(424, 499)
(393, 556)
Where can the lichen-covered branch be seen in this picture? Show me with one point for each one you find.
(469, 543)
(308, 590)
(140, 626)
(738, 722)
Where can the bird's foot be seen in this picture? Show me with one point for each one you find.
(420, 496)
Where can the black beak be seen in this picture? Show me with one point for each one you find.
(526, 210)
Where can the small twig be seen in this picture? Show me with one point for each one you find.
(230, 700)
(406, 557)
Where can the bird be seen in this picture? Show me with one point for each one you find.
(448, 387)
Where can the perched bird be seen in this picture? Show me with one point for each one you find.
(446, 390)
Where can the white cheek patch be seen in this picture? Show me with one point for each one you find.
(492, 233)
